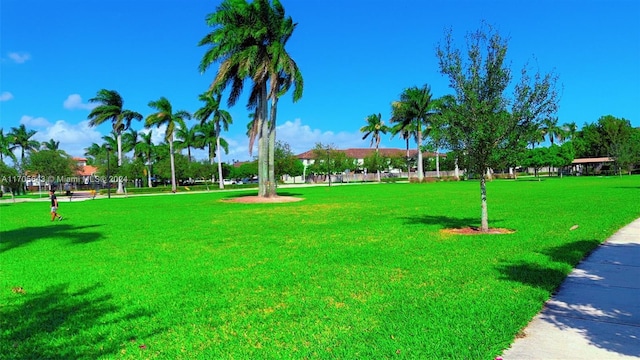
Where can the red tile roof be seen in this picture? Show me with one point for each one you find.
(86, 170)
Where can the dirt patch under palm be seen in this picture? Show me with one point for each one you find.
(477, 231)
(263, 200)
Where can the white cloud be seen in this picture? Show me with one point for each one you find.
(6, 96)
(31, 121)
(157, 133)
(19, 57)
(302, 138)
(73, 138)
(74, 101)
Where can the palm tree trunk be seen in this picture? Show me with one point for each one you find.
(271, 191)
(408, 167)
(220, 182)
(484, 219)
(173, 166)
(119, 139)
(263, 146)
(419, 141)
(149, 175)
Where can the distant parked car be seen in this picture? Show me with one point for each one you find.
(253, 180)
(228, 182)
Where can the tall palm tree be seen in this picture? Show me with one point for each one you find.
(570, 130)
(374, 128)
(220, 119)
(5, 147)
(93, 151)
(406, 133)
(50, 145)
(111, 109)
(166, 116)
(186, 138)
(131, 141)
(552, 131)
(414, 109)
(249, 39)
(146, 148)
(111, 139)
(20, 137)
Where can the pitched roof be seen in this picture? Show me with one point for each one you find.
(86, 170)
(592, 160)
(361, 153)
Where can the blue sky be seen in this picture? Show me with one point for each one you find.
(356, 57)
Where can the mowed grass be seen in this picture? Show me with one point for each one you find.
(351, 272)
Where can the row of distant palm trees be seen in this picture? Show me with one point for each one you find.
(20, 138)
(177, 134)
(413, 116)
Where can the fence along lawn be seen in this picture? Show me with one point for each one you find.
(350, 272)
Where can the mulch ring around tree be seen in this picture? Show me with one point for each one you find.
(263, 200)
(470, 230)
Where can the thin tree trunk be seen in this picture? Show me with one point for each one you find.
(457, 170)
(420, 167)
(173, 166)
(120, 187)
(484, 219)
(408, 156)
(437, 164)
(219, 155)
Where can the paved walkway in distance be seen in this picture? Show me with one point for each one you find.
(596, 312)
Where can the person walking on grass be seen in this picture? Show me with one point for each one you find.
(54, 206)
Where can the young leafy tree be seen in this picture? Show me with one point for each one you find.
(166, 116)
(616, 137)
(484, 119)
(9, 179)
(50, 164)
(286, 162)
(111, 109)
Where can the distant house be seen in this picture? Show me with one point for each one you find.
(308, 157)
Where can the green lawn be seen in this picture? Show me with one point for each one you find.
(351, 272)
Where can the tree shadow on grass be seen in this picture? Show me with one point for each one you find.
(75, 234)
(595, 300)
(446, 222)
(546, 278)
(62, 324)
(536, 275)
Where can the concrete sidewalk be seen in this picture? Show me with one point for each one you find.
(596, 312)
